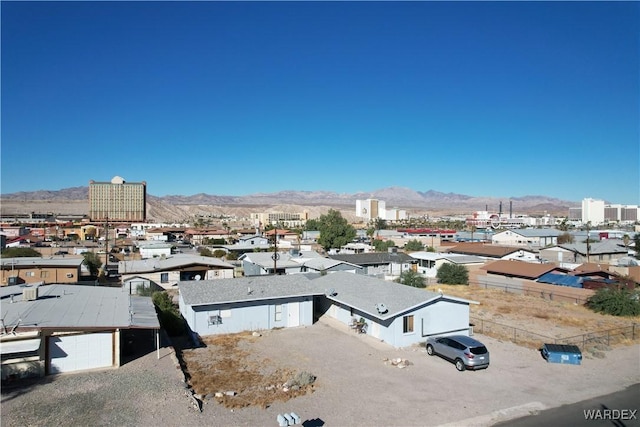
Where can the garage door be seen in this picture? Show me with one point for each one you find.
(71, 353)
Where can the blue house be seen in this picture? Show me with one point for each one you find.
(396, 314)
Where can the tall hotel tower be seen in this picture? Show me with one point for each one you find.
(118, 200)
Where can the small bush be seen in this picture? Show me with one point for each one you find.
(453, 274)
(411, 278)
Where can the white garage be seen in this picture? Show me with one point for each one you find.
(70, 353)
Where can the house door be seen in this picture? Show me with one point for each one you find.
(293, 313)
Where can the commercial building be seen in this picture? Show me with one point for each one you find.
(598, 212)
(371, 209)
(118, 200)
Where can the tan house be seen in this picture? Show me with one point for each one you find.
(27, 270)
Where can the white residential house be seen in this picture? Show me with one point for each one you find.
(528, 238)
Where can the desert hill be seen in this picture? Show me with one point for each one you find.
(180, 208)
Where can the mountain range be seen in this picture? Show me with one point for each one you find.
(394, 197)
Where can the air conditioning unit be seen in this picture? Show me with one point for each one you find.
(30, 294)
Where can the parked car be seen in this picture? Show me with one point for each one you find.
(464, 351)
(62, 253)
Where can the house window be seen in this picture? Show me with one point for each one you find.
(30, 274)
(278, 313)
(44, 274)
(407, 324)
(164, 277)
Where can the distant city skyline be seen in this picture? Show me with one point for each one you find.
(486, 99)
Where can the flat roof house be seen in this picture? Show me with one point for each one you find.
(54, 329)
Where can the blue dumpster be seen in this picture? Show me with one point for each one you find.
(562, 353)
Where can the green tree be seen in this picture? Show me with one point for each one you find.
(636, 243)
(383, 245)
(219, 253)
(335, 231)
(414, 245)
(93, 262)
(565, 238)
(616, 302)
(206, 252)
(453, 274)
(411, 278)
(312, 225)
(168, 314)
(20, 253)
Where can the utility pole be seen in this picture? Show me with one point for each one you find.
(275, 255)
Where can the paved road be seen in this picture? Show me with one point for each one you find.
(624, 409)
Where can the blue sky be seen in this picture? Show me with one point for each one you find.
(502, 99)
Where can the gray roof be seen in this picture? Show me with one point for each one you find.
(353, 290)
(602, 247)
(311, 259)
(364, 292)
(76, 307)
(25, 262)
(537, 232)
(374, 258)
(172, 262)
(252, 288)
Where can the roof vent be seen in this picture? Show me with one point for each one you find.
(381, 308)
(331, 292)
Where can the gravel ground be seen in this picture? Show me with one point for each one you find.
(356, 385)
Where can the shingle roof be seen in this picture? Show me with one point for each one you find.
(483, 249)
(374, 258)
(354, 290)
(512, 268)
(170, 263)
(596, 248)
(245, 289)
(364, 292)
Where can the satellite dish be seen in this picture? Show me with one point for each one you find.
(198, 277)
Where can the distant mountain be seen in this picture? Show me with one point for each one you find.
(398, 197)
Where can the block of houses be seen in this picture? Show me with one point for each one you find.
(396, 314)
(166, 272)
(59, 328)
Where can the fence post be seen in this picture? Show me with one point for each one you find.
(608, 337)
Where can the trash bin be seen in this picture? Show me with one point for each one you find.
(562, 353)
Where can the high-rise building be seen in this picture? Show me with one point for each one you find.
(370, 209)
(118, 200)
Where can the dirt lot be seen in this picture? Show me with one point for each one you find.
(356, 383)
